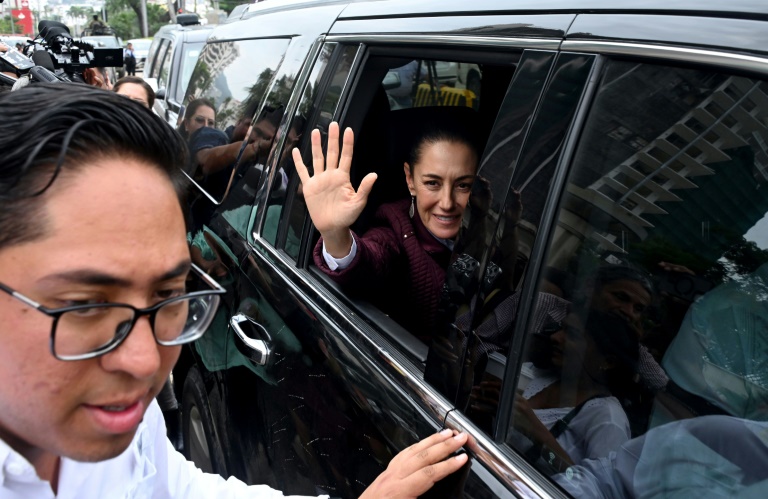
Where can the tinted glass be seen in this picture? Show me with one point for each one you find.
(164, 66)
(159, 56)
(507, 206)
(224, 78)
(646, 360)
(318, 113)
(189, 55)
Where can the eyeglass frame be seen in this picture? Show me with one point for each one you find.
(56, 313)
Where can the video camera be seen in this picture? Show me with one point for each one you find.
(59, 57)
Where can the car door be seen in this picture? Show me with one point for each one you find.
(632, 247)
(364, 370)
(218, 226)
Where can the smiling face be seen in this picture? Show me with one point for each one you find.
(202, 117)
(114, 232)
(441, 180)
(134, 91)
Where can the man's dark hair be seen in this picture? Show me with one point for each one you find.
(51, 131)
(138, 81)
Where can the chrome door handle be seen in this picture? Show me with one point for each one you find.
(257, 351)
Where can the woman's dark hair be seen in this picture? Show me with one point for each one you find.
(434, 132)
(48, 131)
(138, 81)
(617, 341)
(192, 108)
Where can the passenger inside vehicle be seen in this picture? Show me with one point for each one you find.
(410, 246)
(569, 406)
(708, 433)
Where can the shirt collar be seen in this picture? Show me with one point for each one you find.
(12, 464)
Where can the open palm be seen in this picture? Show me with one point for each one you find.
(332, 201)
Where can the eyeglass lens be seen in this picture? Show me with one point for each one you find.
(84, 331)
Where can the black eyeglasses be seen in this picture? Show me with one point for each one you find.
(85, 331)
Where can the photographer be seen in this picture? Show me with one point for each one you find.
(57, 57)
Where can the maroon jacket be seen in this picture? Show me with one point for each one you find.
(399, 266)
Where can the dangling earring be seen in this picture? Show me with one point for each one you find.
(413, 209)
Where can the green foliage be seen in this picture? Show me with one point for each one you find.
(228, 5)
(5, 25)
(157, 16)
(124, 24)
(82, 12)
(124, 17)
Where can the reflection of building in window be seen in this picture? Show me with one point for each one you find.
(217, 56)
(707, 166)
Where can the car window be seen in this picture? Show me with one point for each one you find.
(423, 82)
(385, 132)
(648, 326)
(314, 112)
(500, 227)
(164, 66)
(159, 58)
(189, 55)
(238, 139)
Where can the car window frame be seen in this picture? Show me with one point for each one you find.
(158, 56)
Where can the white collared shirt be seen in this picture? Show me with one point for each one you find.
(149, 468)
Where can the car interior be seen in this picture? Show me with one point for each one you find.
(384, 136)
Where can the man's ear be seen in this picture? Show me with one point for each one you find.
(409, 178)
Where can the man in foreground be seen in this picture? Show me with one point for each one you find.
(97, 292)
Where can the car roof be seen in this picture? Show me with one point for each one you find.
(190, 33)
(755, 9)
(278, 5)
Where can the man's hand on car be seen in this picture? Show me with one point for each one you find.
(416, 469)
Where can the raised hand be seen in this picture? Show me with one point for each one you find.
(332, 201)
(416, 469)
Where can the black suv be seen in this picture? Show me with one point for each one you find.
(624, 172)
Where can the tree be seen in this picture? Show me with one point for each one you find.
(5, 25)
(81, 12)
(125, 17)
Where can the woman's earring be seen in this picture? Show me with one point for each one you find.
(413, 209)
